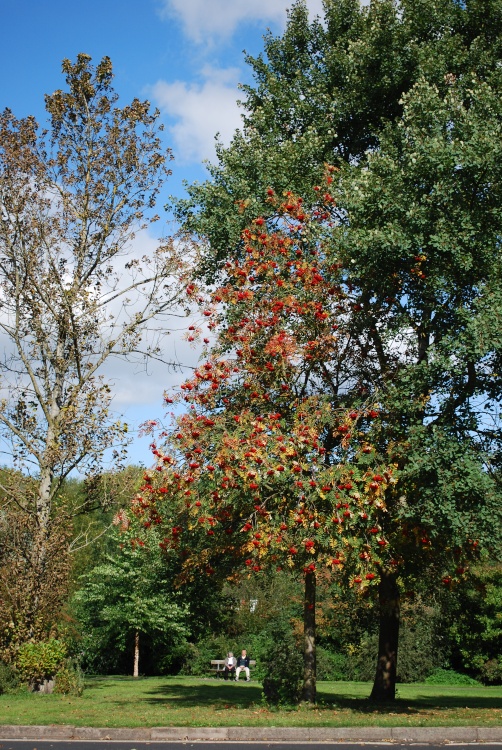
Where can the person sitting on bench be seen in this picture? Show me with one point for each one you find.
(242, 664)
(230, 663)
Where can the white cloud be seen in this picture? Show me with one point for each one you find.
(206, 20)
(200, 110)
(136, 382)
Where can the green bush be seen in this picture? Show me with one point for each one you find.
(331, 666)
(418, 655)
(69, 679)
(449, 677)
(361, 659)
(174, 660)
(491, 672)
(197, 657)
(283, 663)
(259, 645)
(420, 650)
(8, 678)
(40, 661)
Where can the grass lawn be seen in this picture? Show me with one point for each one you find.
(198, 702)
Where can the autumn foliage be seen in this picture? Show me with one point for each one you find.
(282, 451)
(264, 466)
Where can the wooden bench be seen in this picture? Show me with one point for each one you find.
(218, 666)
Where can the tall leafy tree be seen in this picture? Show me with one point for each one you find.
(128, 597)
(405, 100)
(273, 464)
(425, 216)
(72, 293)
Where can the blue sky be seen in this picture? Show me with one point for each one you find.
(185, 56)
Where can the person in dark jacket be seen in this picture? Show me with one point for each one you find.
(242, 664)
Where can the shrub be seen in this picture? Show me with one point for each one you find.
(197, 657)
(418, 655)
(361, 659)
(283, 663)
(259, 645)
(8, 678)
(40, 661)
(420, 650)
(449, 677)
(174, 660)
(69, 679)
(491, 672)
(331, 666)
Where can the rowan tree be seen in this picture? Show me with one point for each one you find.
(73, 294)
(267, 467)
(326, 346)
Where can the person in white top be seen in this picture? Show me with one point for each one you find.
(230, 664)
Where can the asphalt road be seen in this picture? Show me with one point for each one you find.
(120, 745)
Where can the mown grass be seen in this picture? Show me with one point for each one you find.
(197, 702)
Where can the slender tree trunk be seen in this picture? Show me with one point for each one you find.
(384, 687)
(43, 508)
(136, 654)
(309, 674)
(39, 548)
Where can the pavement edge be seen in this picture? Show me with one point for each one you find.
(256, 734)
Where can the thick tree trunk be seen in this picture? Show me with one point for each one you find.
(309, 674)
(136, 655)
(384, 687)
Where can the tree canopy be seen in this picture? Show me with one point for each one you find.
(403, 101)
(73, 294)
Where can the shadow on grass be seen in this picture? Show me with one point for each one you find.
(221, 696)
(218, 695)
(100, 682)
(409, 706)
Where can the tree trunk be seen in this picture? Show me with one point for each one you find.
(39, 549)
(384, 687)
(45, 494)
(136, 654)
(309, 673)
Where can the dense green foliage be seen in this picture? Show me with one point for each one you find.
(129, 593)
(404, 99)
(449, 677)
(9, 680)
(475, 630)
(325, 92)
(40, 661)
(283, 666)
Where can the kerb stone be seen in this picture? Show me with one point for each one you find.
(338, 734)
(37, 732)
(268, 733)
(434, 734)
(189, 733)
(489, 734)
